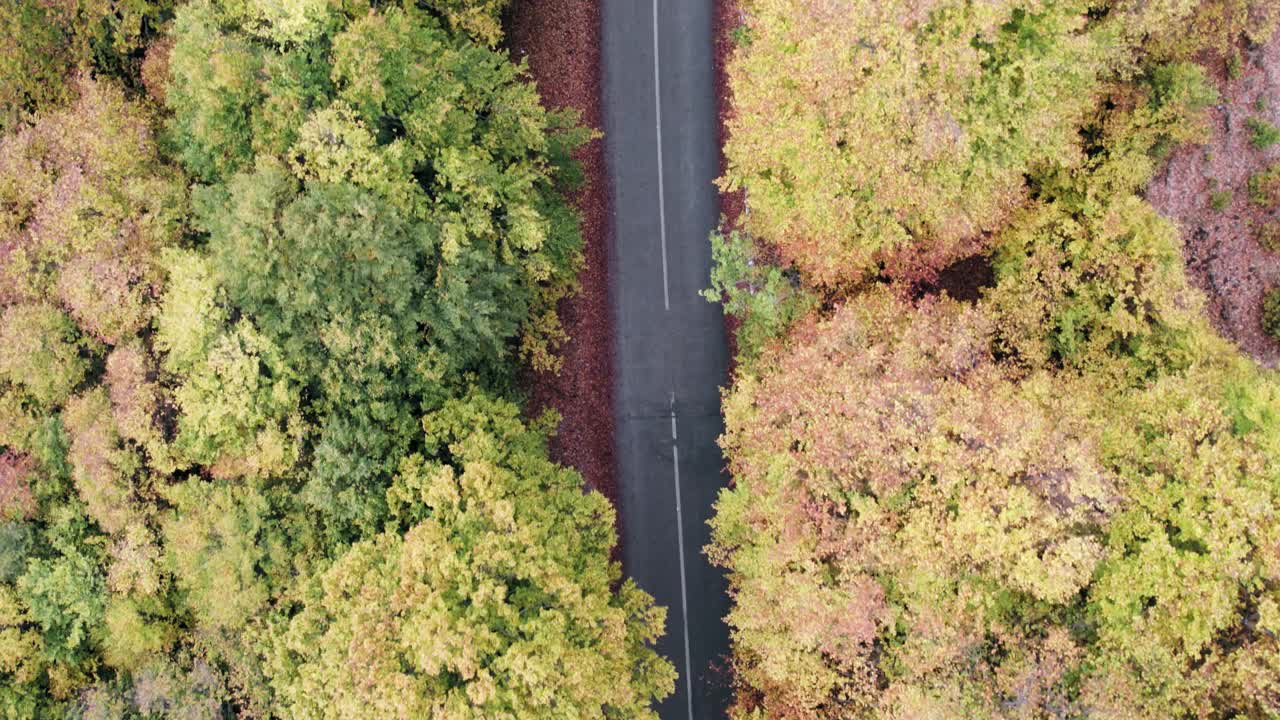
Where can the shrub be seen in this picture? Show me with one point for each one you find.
(1220, 200)
(1271, 313)
(1262, 134)
(765, 298)
(1269, 235)
(1264, 188)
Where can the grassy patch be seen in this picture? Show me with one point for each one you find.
(1262, 134)
(1269, 235)
(1271, 313)
(1264, 188)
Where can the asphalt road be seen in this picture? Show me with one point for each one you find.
(671, 357)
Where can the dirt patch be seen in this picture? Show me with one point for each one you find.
(560, 40)
(1205, 189)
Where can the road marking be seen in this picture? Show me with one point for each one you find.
(662, 193)
(684, 590)
(674, 436)
(666, 303)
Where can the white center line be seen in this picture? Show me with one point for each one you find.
(662, 194)
(674, 436)
(684, 591)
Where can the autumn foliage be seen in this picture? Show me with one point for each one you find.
(264, 291)
(1055, 500)
(963, 537)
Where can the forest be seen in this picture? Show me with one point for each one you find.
(269, 273)
(1003, 428)
(992, 454)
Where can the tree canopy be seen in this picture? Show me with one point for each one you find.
(260, 450)
(897, 133)
(1054, 499)
(959, 538)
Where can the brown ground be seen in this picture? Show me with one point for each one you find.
(1224, 258)
(560, 41)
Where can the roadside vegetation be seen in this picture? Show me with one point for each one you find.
(268, 272)
(1057, 496)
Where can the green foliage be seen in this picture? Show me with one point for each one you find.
(498, 601)
(481, 19)
(1262, 134)
(44, 44)
(1271, 313)
(1264, 188)
(383, 206)
(41, 353)
(219, 543)
(64, 593)
(239, 407)
(192, 314)
(1102, 294)
(762, 296)
(210, 411)
(1220, 200)
(1191, 557)
(15, 546)
(868, 133)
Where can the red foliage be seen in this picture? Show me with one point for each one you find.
(155, 67)
(727, 16)
(16, 501)
(560, 40)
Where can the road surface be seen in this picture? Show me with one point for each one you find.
(671, 356)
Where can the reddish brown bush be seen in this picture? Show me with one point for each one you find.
(16, 500)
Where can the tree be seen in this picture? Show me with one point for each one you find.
(895, 134)
(1181, 29)
(910, 529)
(482, 19)
(44, 44)
(498, 600)
(219, 540)
(444, 130)
(382, 208)
(40, 354)
(920, 530)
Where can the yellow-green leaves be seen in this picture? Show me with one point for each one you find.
(497, 601)
(898, 133)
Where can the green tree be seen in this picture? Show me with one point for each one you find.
(383, 207)
(220, 540)
(499, 598)
(44, 44)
